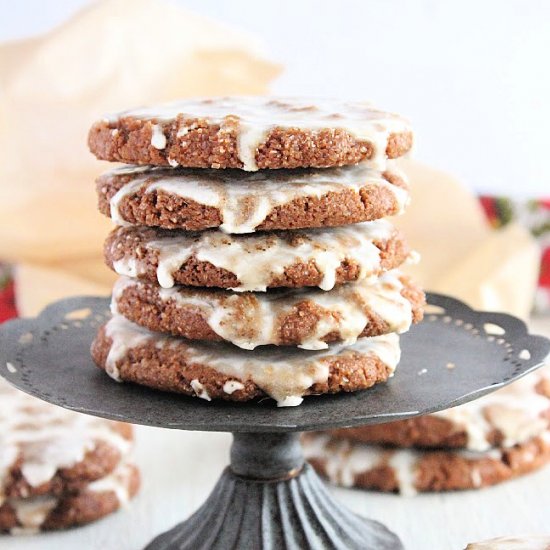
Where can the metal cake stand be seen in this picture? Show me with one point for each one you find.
(268, 498)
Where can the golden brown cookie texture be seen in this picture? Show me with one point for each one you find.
(244, 202)
(351, 464)
(255, 262)
(308, 318)
(507, 417)
(92, 501)
(212, 370)
(252, 133)
(47, 450)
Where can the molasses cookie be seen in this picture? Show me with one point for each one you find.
(315, 257)
(213, 370)
(243, 202)
(406, 471)
(91, 502)
(309, 318)
(47, 450)
(507, 417)
(252, 133)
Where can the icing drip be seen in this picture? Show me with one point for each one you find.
(47, 438)
(516, 411)
(32, 512)
(251, 320)
(476, 478)
(404, 463)
(200, 390)
(232, 386)
(158, 139)
(256, 117)
(284, 374)
(257, 259)
(119, 346)
(118, 482)
(244, 199)
(344, 461)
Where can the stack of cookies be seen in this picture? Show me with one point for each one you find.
(252, 253)
(495, 438)
(58, 468)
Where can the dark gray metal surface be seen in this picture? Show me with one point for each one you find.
(296, 514)
(446, 360)
(268, 499)
(266, 456)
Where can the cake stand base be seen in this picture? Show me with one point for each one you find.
(270, 499)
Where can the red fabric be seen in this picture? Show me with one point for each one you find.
(544, 280)
(7, 301)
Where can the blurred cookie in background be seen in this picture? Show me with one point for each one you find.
(59, 468)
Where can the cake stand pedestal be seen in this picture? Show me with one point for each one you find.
(268, 497)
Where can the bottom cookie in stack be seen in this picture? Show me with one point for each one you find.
(58, 468)
(215, 370)
(482, 443)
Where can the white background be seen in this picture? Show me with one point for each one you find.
(472, 75)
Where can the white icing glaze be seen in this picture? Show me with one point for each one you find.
(476, 478)
(232, 386)
(344, 460)
(257, 259)
(31, 512)
(256, 116)
(200, 390)
(517, 411)
(404, 462)
(118, 349)
(47, 438)
(251, 320)
(117, 481)
(158, 139)
(244, 199)
(283, 373)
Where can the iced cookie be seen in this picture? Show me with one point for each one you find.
(210, 370)
(351, 464)
(90, 502)
(315, 257)
(241, 202)
(252, 133)
(507, 417)
(293, 317)
(47, 450)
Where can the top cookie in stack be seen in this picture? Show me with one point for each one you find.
(253, 133)
(216, 263)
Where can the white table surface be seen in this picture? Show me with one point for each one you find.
(180, 469)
